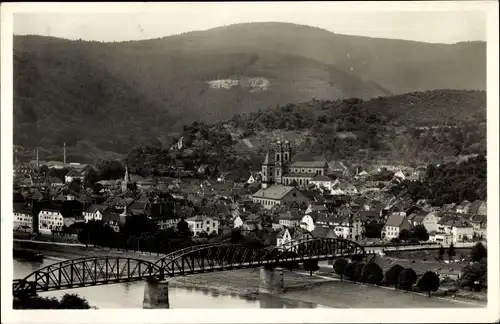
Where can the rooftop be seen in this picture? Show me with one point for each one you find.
(277, 191)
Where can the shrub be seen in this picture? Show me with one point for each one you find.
(478, 252)
(392, 275)
(358, 271)
(372, 273)
(311, 266)
(407, 279)
(350, 269)
(428, 282)
(339, 266)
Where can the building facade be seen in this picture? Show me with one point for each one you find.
(199, 224)
(278, 168)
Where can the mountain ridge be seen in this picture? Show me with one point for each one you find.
(128, 93)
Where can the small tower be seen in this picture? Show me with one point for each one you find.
(126, 179)
(278, 162)
(267, 173)
(287, 152)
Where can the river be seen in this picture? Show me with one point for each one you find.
(130, 295)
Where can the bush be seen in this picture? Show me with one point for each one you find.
(392, 275)
(407, 279)
(372, 273)
(475, 275)
(428, 282)
(350, 269)
(358, 271)
(311, 266)
(339, 266)
(478, 252)
(68, 301)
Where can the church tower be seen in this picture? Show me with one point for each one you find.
(126, 179)
(287, 153)
(278, 162)
(267, 172)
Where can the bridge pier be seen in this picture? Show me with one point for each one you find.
(156, 294)
(271, 280)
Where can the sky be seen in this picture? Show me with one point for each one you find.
(449, 25)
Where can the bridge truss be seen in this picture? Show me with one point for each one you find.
(93, 271)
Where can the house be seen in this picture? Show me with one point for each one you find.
(400, 175)
(478, 207)
(323, 182)
(56, 165)
(323, 232)
(289, 235)
(316, 208)
(50, 218)
(252, 223)
(199, 224)
(348, 227)
(308, 221)
(344, 188)
(417, 218)
(73, 175)
(291, 218)
(455, 228)
(463, 207)
(430, 221)
(278, 194)
(95, 212)
(362, 175)
(478, 226)
(55, 182)
(237, 222)
(23, 217)
(395, 223)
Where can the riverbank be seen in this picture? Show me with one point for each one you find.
(299, 286)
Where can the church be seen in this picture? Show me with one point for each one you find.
(278, 168)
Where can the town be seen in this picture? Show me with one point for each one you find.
(286, 199)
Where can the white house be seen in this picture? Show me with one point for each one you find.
(74, 174)
(348, 229)
(94, 212)
(323, 181)
(343, 188)
(394, 225)
(308, 223)
(23, 219)
(400, 175)
(237, 222)
(291, 218)
(199, 224)
(430, 222)
(50, 219)
(460, 229)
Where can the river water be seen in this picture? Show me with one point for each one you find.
(130, 295)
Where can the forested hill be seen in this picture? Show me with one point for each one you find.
(108, 97)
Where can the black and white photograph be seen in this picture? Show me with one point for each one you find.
(243, 157)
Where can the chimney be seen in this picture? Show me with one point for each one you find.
(64, 153)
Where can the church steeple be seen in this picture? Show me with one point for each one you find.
(267, 173)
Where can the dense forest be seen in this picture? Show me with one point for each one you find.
(89, 95)
(452, 182)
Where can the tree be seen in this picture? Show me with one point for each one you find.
(91, 177)
(97, 188)
(350, 269)
(311, 266)
(474, 275)
(358, 271)
(428, 282)
(420, 233)
(392, 275)
(451, 251)
(441, 253)
(75, 185)
(407, 278)
(478, 252)
(339, 266)
(68, 301)
(372, 273)
(183, 228)
(404, 235)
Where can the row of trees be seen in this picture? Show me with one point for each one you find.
(68, 301)
(397, 276)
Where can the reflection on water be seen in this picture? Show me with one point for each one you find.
(130, 295)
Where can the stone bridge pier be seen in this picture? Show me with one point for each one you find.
(155, 294)
(271, 280)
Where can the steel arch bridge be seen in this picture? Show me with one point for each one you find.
(93, 271)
